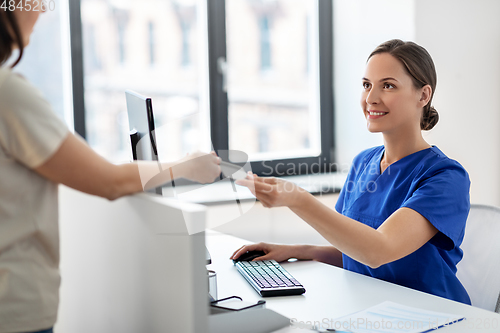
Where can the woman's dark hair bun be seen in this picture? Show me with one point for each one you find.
(430, 117)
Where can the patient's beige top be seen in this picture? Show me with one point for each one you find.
(30, 133)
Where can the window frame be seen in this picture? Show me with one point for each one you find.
(77, 73)
(219, 125)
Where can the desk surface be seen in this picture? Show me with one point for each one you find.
(332, 292)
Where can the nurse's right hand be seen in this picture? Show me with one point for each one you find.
(273, 192)
(278, 252)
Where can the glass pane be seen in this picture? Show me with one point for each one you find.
(273, 80)
(158, 49)
(46, 60)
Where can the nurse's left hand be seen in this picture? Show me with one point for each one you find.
(273, 192)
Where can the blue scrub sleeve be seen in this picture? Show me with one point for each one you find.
(339, 206)
(443, 199)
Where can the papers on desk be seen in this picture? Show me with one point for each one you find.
(390, 317)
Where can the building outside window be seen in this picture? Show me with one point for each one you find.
(139, 37)
(273, 103)
(272, 80)
(152, 40)
(185, 55)
(265, 43)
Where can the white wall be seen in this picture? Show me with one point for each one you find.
(359, 26)
(463, 37)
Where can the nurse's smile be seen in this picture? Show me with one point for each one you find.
(374, 114)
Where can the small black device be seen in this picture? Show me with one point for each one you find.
(234, 303)
(269, 278)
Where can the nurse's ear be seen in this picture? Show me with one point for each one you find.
(425, 95)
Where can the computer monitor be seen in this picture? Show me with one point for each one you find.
(142, 129)
(142, 134)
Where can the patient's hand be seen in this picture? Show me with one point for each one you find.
(200, 167)
(277, 252)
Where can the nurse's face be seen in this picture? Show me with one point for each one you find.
(389, 100)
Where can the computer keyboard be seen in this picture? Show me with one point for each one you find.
(269, 278)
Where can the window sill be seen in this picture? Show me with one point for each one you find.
(223, 191)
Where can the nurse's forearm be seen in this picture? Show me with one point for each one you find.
(358, 241)
(327, 254)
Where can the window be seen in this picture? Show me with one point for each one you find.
(272, 96)
(147, 48)
(248, 75)
(46, 61)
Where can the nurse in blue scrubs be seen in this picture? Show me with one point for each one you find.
(401, 214)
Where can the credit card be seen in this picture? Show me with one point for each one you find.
(230, 170)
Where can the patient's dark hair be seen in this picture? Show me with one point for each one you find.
(418, 63)
(10, 37)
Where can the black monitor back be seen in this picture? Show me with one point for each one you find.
(142, 128)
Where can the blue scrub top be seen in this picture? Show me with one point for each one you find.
(429, 183)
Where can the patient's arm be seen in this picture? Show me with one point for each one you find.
(78, 166)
